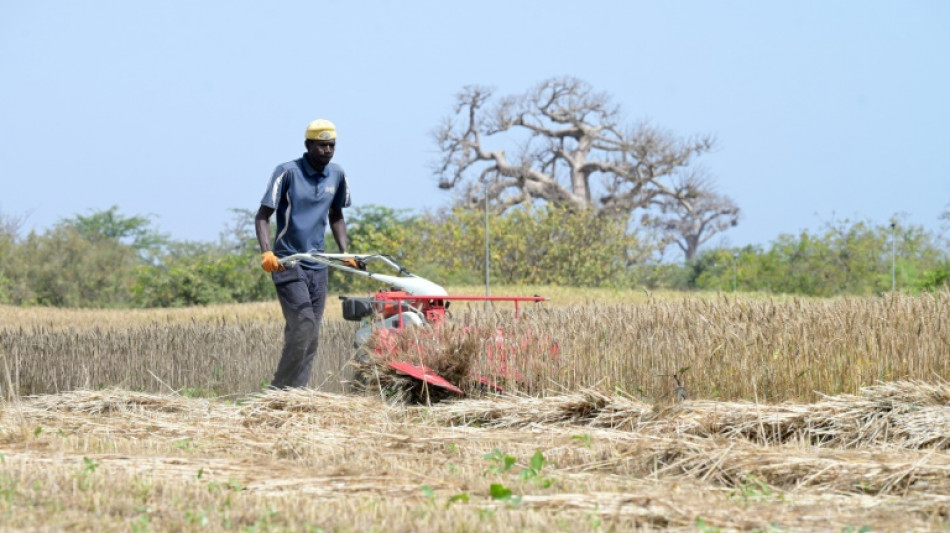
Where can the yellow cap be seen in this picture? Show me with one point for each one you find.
(321, 130)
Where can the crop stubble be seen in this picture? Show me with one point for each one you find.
(804, 415)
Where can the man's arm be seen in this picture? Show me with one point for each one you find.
(338, 228)
(262, 227)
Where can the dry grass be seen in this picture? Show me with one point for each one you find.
(28, 317)
(803, 415)
(725, 348)
(52, 318)
(115, 460)
(205, 358)
(907, 415)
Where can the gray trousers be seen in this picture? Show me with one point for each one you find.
(302, 293)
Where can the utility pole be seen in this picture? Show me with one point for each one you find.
(735, 271)
(893, 256)
(487, 256)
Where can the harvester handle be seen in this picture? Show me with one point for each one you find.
(406, 281)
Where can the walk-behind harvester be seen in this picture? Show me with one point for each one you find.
(412, 304)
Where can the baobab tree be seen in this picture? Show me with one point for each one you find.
(690, 224)
(562, 142)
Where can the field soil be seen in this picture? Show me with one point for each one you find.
(116, 460)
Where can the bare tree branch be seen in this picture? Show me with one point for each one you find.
(694, 214)
(569, 147)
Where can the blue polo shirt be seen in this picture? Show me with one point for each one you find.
(301, 198)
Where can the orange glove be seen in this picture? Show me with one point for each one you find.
(269, 262)
(353, 263)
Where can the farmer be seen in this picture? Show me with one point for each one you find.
(305, 193)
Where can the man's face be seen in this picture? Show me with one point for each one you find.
(320, 151)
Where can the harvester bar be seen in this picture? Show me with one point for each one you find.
(515, 299)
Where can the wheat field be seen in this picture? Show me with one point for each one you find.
(800, 415)
(724, 347)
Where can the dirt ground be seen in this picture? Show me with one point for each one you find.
(308, 461)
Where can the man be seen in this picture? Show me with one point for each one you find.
(305, 194)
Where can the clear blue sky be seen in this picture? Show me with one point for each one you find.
(182, 109)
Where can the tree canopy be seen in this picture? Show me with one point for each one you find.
(536, 245)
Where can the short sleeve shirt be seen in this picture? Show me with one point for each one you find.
(301, 198)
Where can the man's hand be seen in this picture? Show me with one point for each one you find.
(269, 262)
